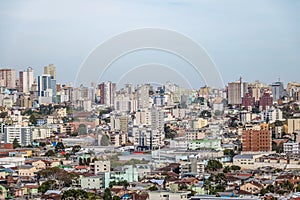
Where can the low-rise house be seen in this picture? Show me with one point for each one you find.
(27, 170)
(127, 172)
(253, 187)
(30, 189)
(92, 182)
(81, 168)
(41, 164)
(169, 195)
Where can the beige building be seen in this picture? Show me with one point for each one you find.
(165, 195)
(118, 139)
(252, 187)
(293, 125)
(51, 69)
(8, 78)
(246, 161)
(41, 133)
(100, 166)
(7, 102)
(194, 135)
(43, 164)
(27, 170)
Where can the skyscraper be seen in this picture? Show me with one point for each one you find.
(51, 69)
(143, 96)
(46, 88)
(8, 78)
(107, 93)
(26, 79)
(236, 90)
(277, 90)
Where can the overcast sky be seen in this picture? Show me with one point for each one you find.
(258, 40)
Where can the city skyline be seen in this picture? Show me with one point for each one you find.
(260, 43)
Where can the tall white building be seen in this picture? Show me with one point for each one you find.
(22, 134)
(291, 148)
(145, 138)
(143, 98)
(157, 118)
(272, 115)
(26, 79)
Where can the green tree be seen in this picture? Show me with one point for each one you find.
(81, 161)
(226, 169)
(16, 143)
(116, 198)
(88, 161)
(205, 114)
(33, 119)
(214, 165)
(42, 144)
(59, 147)
(270, 188)
(107, 194)
(263, 191)
(153, 188)
(104, 140)
(74, 194)
(76, 149)
(3, 114)
(63, 178)
(50, 153)
(298, 188)
(235, 168)
(47, 185)
(229, 152)
(82, 129)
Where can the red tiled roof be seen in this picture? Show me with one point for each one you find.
(31, 186)
(81, 167)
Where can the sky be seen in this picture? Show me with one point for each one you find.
(258, 40)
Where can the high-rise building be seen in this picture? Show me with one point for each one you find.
(293, 90)
(157, 118)
(107, 93)
(46, 88)
(248, 101)
(265, 101)
(255, 90)
(143, 96)
(145, 138)
(8, 78)
(26, 79)
(236, 90)
(51, 69)
(22, 134)
(293, 125)
(257, 140)
(277, 90)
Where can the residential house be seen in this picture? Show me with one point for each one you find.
(91, 182)
(27, 170)
(253, 187)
